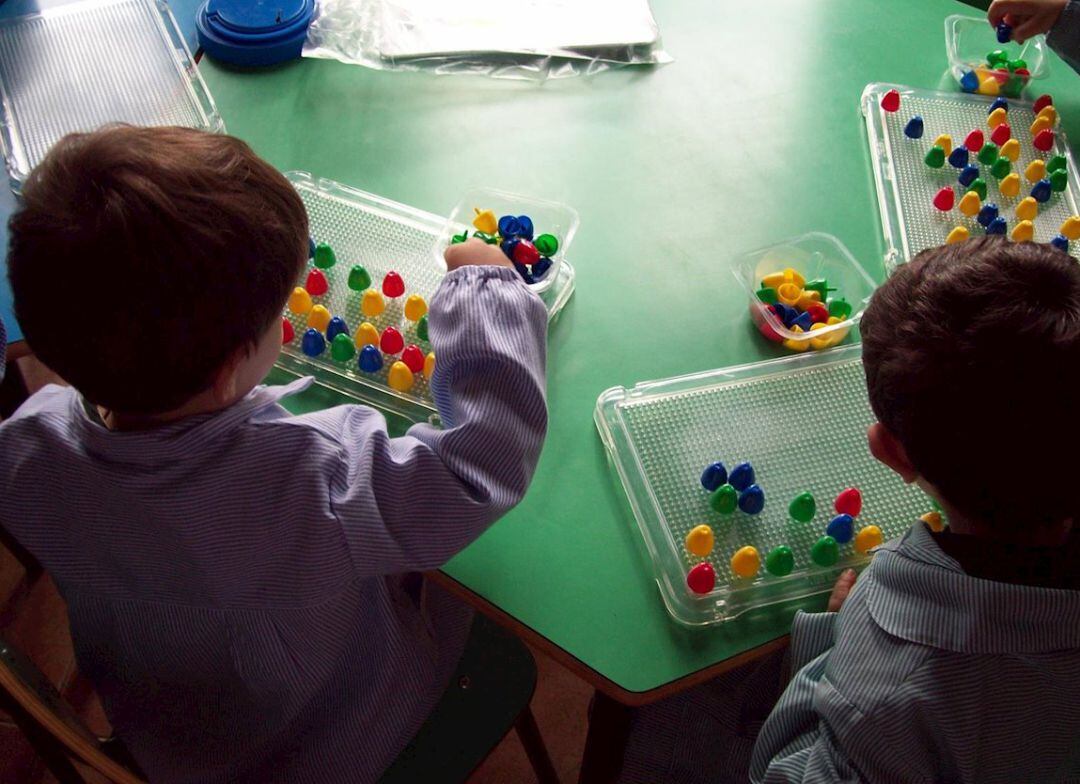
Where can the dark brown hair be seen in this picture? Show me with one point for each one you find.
(143, 258)
(972, 359)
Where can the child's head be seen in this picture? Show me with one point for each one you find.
(972, 358)
(149, 263)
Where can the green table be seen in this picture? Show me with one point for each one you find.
(752, 135)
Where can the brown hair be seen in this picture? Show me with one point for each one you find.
(143, 258)
(972, 358)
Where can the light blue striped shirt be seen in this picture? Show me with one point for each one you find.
(242, 585)
(930, 675)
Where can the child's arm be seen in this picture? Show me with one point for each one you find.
(1059, 18)
(411, 503)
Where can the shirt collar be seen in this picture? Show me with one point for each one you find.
(917, 592)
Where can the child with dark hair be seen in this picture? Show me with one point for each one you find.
(241, 583)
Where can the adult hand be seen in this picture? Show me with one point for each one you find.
(475, 253)
(1027, 17)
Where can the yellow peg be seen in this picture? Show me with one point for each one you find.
(372, 303)
(1027, 209)
(1070, 229)
(970, 204)
(400, 377)
(1035, 171)
(797, 345)
(1024, 231)
(1040, 124)
(299, 301)
(807, 298)
(1010, 150)
(819, 343)
(1010, 186)
(959, 234)
(789, 293)
(319, 318)
(366, 335)
(868, 538)
(746, 562)
(429, 365)
(837, 337)
(1049, 112)
(934, 521)
(415, 307)
(988, 85)
(699, 541)
(997, 117)
(485, 221)
(944, 142)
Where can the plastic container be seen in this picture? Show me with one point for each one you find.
(801, 421)
(906, 185)
(254, 34)
(381, 235)
(814, 255)
(55, 80)
(968, 40)
(549, 217)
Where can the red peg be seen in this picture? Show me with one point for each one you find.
(391, 342)
(974, 140)
(526, 253)
(890, 101)
(393, 285)
(1022, 72)
(1041, 103)
(819, 314)
(945, 199)
(287, 333)
(413, 358)
(316, 284)
(702, 578)
(1001, 134)
(849, 502)
(1044, 140)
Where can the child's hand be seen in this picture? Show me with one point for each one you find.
(475, 253)
(844, 583)
(1027, 17)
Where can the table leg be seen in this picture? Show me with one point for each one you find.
(605, 744)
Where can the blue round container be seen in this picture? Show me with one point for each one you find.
(253, 32)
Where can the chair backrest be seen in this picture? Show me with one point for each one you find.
(29, 690)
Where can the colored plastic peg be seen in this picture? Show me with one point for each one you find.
(1001, 168)
(1070, 228)
(300, 301)
(487, 239)
(1011, 150)
(840, 308)
(989, 153)
(752, 500)
(337, 326)
(914, 128)
(945, 199)
(997, 117)
(415, 307)
(547, 245)
(507, 246)
(313, 343)
(523, 272)
(366, 335)
(968, 175)
(969, 82)
(287, 333)
(819, 314)
(848, 501)
(944, 141)
(316, 283)
(803, 321)
(310, 247)
(392, 285)
(825, 551)
(1004, 33)
(724, 499)
(1040, 124)
(700, 541)
(806, 299)
(1027, 209)
(997, 226)
(702, 578)
(890, 101)
(359, 279)
(1055, 163)
(933, 520)
(1042, 190)
(787, 275)
(958, 158)
(958, 234)
(1061, 243)
(999, 103)
(1043, 140)
(319, 318)
(988, 85)
(868, 538)
(370, 360)
(714, 475)
(429, 365)
(1001, 134)
(741, 476)
(372, 304)
(1016, 64)
(391, 341)
(525, 253)
(413, 358)
(974, 140)
(796, 343)
(509, 226)
(785, 313)
(978, 185)
(485, 221)
(841, 528)
(988, 212)
(935, 157)
(1041, 103)
(767, 295)
(789, 293)
(525, 227)
(422, 328)
(540, 268)
(821, 286)
(1023, 231)
(1059, 180)
(342, 348)
(400, 377)
(802, 507)
(780, 561)
(457, 239)
(324, 256)
(745, 562)
(1010, 185)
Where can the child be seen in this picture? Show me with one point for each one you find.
(1060, 19)
(956, 655)
(238, 579)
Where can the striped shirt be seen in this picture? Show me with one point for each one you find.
(929, 675)
(1064, 36)
(241, 585)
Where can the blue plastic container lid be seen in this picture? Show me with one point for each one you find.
(253, 32)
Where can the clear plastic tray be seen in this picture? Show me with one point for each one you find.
(906, 185)
(548, 217)
(801, 421)
(813, 255)
(381, 235)
(968, 39)
(79, 66)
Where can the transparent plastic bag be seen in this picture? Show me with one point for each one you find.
(510, 39)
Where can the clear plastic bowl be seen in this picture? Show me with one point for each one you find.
(548, 217)
(968, 39)
(814, 255)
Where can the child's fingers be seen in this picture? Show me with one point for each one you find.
(1000, 8)
(1033, 25)
(474, 252)
(844, 583)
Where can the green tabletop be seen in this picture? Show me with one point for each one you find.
(752, 135)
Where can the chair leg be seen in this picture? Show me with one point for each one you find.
(48, 749)
(605, 744)
(537, 752)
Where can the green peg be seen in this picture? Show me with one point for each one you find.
(1016, 64)
(821, 286)
(997, 56)
(979, 186)
(359, 280)
(324, 256)
(1055, 163)
(767, 294)
(780, 561)
(1001, 168)
(935, 158)
(988, 154)
(546, 244)
(840, 308)
(490, 239)
(1059, 180)
(342, 348)
(1013, 85)
(459, 238)
(802, 508)
(825, 551)
(421, 328)
(723, 499)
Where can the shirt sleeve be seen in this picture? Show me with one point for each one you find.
(811, 635)
(1064, 36)
(411, 503)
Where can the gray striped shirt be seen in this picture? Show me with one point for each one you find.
(241, 586)
(929, 675)
(1064, 36)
